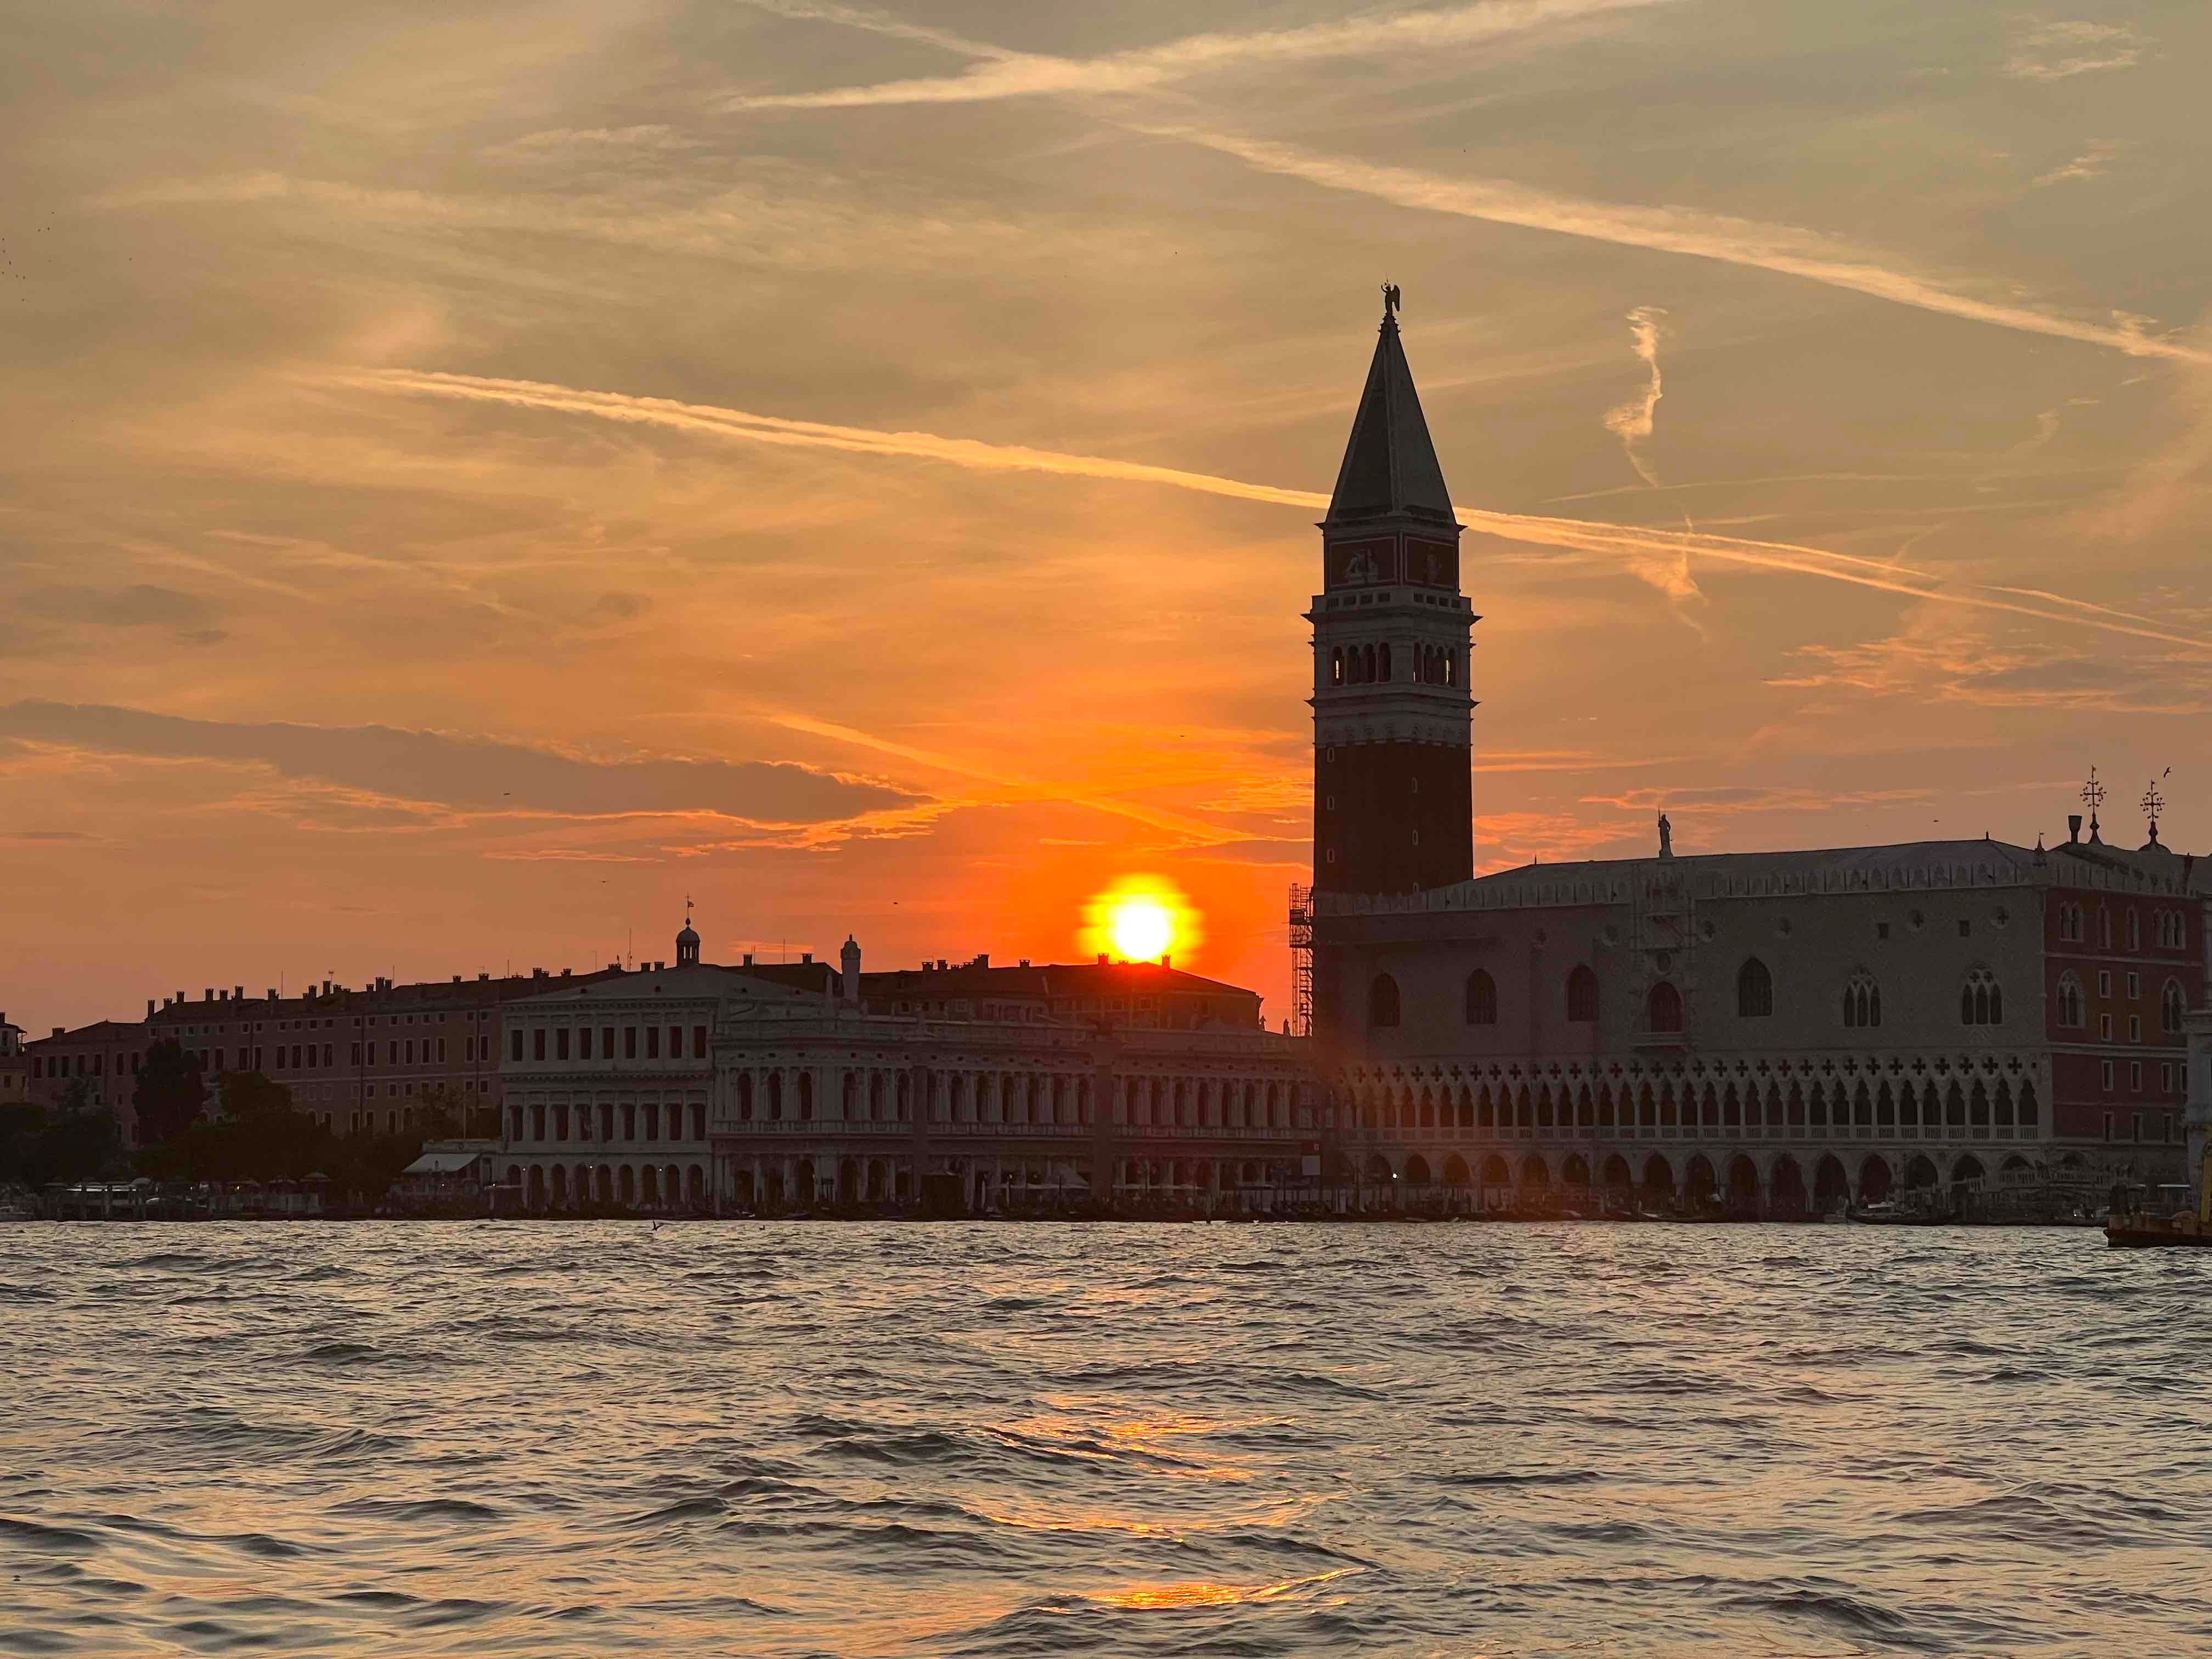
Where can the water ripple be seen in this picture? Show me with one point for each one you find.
(1030, 1440)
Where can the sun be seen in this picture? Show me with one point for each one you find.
(1141, 919)
(1141, 927)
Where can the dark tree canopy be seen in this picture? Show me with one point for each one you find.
(170, 1094)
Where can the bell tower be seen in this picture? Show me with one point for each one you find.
(1393, 805)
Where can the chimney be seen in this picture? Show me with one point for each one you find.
(150, 1012)
(1166, 961)
(806, 958)
(849, 960)
(237, 993)
(1102, 958)
(2074, 828)
(982, 959)
(58, 1030)
(940, 964)
(326, 988)
(749, 958)
(207, 993)
(272, 993)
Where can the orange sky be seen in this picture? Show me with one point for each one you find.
(474, 474)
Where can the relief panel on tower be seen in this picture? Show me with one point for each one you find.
(1362, 564)
(1435, 563)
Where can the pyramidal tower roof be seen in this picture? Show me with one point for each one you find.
(1389, 465)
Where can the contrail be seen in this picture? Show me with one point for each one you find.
(1002, 74)
(1782, 248)
(1632, 421)
(1627, 545)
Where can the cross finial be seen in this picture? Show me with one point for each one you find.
(2093, 793)
(2153, 804)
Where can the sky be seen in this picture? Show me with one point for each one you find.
(473, 475)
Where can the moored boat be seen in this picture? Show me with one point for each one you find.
(2164, 1217)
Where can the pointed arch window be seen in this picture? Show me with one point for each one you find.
(2173, 1003)
(1481, 997)
(1754, 990)
(1336, 664)
(1664, 1005)
(1581, 995)
(1861, 1000)
(2069, 1001)
(1981, 999)
(1382, 1001)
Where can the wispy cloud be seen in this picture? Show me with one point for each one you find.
(1001, 74)
(2091, 163)
(2060, 50)
(1631, 546)
(1631, 422)
(1783, 249)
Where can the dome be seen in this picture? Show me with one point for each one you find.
(688, 936)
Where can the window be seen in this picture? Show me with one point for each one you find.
(2104, 982)
(1754, 990)
(652, 1042)
(2069, 1001)
(1382, 1001)
(1881, 930)
(676, 1042)
(606, 1041)
(2134, 1078)
(1481, 997)
(537, 1043)
(514, 1043)
(2105, 928)
(2105, 1077)
(561, 1043)
(583, 1043)
(1981, 999)
(698, 1043)
(1965, 929)
(2171, 1005)
(1664, 1005)
(2104, 1028)
(2135, 1028)
(630, 1042)
(2135, 987)
(1581, 995)
(2135, 930)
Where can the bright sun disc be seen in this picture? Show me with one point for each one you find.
(1142, 929)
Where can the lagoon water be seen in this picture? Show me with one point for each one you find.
(1022, 1439)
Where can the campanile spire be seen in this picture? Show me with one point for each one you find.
(1392, 806)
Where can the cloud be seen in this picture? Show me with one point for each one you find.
(1935, 659)
(1785, 249)
(2091, 163)
(479, 773)
(1663, 556)
(1714, 800)
(1001, 74)
(2058, 51)
(1631, 422)
(141, 605)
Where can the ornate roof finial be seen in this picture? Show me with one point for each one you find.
(2092, 797)
(1391, 301)
(2153, 804)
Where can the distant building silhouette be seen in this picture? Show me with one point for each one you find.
(1784, 1028)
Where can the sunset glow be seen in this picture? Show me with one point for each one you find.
(1139, 919)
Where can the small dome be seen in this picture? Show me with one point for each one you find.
(688, 936)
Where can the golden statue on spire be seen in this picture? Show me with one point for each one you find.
(1390, 300)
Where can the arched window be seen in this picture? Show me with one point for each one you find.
(1861, 1000)
(1336, 666)
(2171, 1005)
(2069, 1001)
(1754, 990)
(1981, 1001)
(1382, 1001)
(2135, 930)
(1382, 660)
(1665, 1008)
(1481, 997)
(1367, 665)
(1581, 995)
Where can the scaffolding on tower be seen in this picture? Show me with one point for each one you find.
(1301, 960)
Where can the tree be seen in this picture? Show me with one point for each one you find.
(170, 1093)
